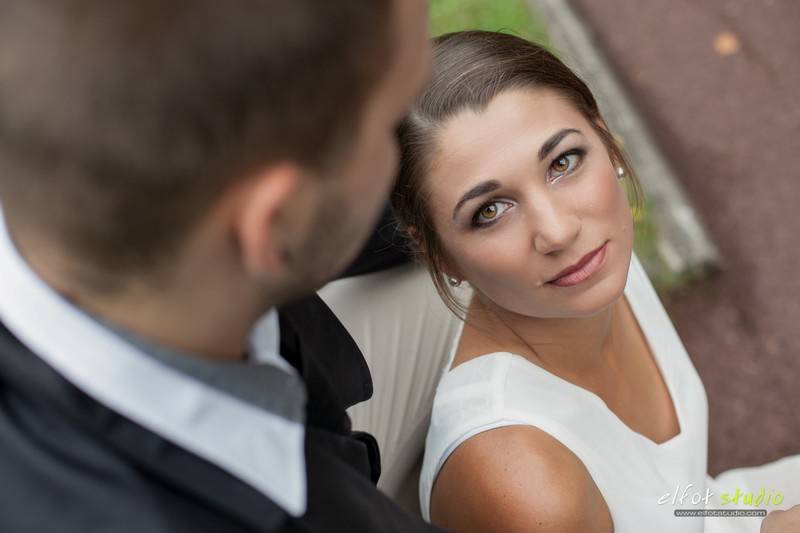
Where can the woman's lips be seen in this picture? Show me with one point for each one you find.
(582, 270)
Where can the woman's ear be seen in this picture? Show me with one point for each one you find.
(416, 238)
(449, 269)
(599, 122)
(603, 126)
(446, 266)
(616, 139)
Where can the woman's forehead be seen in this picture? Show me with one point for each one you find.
(476, 145)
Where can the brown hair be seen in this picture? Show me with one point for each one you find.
(469, 69)
(122, 121)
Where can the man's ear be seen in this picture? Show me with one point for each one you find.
(260, 221)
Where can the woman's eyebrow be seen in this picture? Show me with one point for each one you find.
(553, 141)
(492, 185)
(478, 190)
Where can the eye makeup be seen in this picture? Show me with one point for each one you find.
(573, 158)
(491, 211)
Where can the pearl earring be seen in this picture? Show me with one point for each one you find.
(620, 173)
(453, 281)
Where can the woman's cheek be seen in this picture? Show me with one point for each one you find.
(485, 261)
(490, 262)
(605, 194)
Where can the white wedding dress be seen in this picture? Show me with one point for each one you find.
(642, 482)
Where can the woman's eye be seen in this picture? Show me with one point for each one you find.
(489, 212)
(564, 164)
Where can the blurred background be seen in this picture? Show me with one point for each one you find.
(707, 95)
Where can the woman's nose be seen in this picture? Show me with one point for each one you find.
(555, 227)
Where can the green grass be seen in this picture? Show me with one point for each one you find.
(664, 279)
(645, 238)
(511, 16)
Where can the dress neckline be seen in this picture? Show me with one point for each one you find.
(636, 294)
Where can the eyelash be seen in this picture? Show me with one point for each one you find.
(580, 152)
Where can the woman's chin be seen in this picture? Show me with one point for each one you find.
(597, 298)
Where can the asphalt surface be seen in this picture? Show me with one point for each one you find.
(718, 82)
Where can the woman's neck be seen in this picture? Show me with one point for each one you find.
(565, 346)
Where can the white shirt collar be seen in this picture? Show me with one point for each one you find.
(260, 448)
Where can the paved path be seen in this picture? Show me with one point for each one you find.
(719, 83)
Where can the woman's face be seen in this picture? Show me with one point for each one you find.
(523, 191)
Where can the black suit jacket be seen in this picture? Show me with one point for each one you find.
(70, 464)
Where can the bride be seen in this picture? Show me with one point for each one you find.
(570, 403)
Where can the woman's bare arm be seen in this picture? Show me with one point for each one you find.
(782, 521)
(517, 478)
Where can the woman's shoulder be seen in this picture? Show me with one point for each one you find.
(484, 379)
(478, 345)
(514, 478)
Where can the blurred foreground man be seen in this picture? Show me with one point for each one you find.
(170, 173)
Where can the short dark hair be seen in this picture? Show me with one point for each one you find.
(122, 121)
(470, 68)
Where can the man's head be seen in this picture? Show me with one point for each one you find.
(131, 129)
